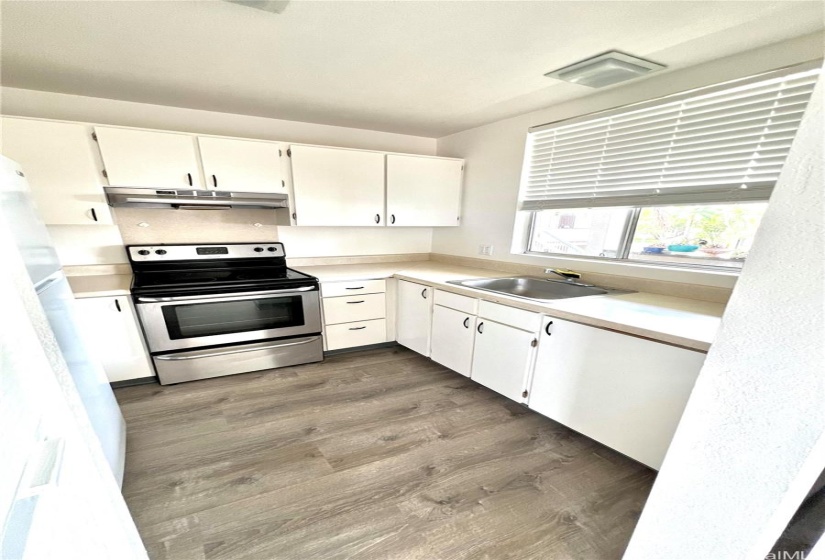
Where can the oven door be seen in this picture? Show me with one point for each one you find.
(176, 323)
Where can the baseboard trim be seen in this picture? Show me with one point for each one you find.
(360, 348)
(132, 382)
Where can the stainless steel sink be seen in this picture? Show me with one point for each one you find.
(532, 288)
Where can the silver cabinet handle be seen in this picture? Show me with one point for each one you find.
(547, 328)
(378, 218)
(224, 297)
(356, 328)
(467, 323)
(355, 288)
(359, 301)
(480, 328)
(424, 293)
(228, 352)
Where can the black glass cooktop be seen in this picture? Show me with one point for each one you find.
(218, 280)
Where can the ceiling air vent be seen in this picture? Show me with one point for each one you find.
(605, 69)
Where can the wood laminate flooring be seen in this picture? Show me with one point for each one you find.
(380, 454)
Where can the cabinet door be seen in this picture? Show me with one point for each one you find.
(502, 357)
(453, 333)
(336, 187)
(61, 164)
(625, 392)
(113, 334)
(145, 158)
(241, 165)
(413, 316)
(423, 191)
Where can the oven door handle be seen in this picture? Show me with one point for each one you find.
(225, 297)
(207, 354)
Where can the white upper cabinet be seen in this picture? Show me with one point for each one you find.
(62, 167)
(337, 187)
(423, 191)
(145, 158)
(241, 165)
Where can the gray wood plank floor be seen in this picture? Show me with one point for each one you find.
(381, 454)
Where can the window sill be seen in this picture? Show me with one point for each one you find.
(674, 272)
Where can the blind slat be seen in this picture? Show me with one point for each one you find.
(701, 146)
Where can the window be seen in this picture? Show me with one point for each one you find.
(717, 235)
(682, 180)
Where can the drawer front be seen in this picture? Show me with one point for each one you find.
(350, 335)
(354, 287)
(354, 308)
(454, 301)
(518, 318)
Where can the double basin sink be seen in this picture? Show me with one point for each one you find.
(533, 288)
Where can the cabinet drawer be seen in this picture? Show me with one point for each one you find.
(350, 335)
(334, 289)
(454, 301)
(354, 308)
(518, 318)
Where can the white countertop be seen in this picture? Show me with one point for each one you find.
(679, 321)
(100, 285)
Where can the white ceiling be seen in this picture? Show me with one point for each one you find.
(423, 68)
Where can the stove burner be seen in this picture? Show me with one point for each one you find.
(193, 269)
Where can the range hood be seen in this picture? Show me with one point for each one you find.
(191, 199)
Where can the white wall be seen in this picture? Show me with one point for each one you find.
(751, 441)
(78, 245)
(494, 155)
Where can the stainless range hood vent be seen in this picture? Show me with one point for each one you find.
(191, 199)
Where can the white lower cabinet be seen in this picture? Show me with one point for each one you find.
(502, 358)
(625, 392)
(359, 333)
(111, 330)
(354, 313)
(453, 334)
(346, 309)
(413, 319)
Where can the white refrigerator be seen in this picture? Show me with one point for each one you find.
(52, 288)
(61, 432)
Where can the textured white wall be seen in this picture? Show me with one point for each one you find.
(495, 152)
(752, 439)
(78, 245)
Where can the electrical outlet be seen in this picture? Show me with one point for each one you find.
(485, 250)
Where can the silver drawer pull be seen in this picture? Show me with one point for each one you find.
(241, 351)
(359, 301)
(356, 328)
(355, 288)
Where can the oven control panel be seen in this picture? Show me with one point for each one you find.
(147, 253)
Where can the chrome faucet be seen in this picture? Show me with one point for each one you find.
(569, 275)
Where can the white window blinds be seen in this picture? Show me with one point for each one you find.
(722, 143)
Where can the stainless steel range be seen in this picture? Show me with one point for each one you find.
(212, 310)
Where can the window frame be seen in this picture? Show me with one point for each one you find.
(623, 252)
